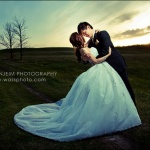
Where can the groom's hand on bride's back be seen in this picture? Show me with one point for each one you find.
(109, 50)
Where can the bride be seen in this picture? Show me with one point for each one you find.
(98, 103)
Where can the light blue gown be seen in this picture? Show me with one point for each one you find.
(98, 103)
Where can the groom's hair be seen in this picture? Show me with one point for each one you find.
(83, 26)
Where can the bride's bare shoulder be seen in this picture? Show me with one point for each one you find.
(84, 50)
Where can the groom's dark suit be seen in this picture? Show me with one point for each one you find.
(116, 60)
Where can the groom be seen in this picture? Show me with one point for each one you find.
(101, 40)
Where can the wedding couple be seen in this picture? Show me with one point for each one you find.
(101, 100)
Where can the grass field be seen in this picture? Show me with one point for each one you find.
(16, 95)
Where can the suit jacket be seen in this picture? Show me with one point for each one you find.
(116, 60)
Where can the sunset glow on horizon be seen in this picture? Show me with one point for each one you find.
(50, 23)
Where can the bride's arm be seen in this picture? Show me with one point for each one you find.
(97, 60)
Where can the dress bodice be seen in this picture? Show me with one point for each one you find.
(94, 51)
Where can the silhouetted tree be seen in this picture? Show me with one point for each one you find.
(7, 38)
(19, 30)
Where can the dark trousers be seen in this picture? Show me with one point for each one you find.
(124, 77)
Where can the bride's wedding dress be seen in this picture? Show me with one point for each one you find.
(98, 103)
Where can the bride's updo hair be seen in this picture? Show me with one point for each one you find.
(78, 42)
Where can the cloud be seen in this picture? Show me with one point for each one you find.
(124, 17)
(132, 33)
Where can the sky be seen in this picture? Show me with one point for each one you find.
(50, 23)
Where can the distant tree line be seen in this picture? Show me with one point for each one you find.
(146, 46)
(14, 35)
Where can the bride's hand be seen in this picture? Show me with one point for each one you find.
(97, 30)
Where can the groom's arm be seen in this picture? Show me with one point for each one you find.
(105, 41)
